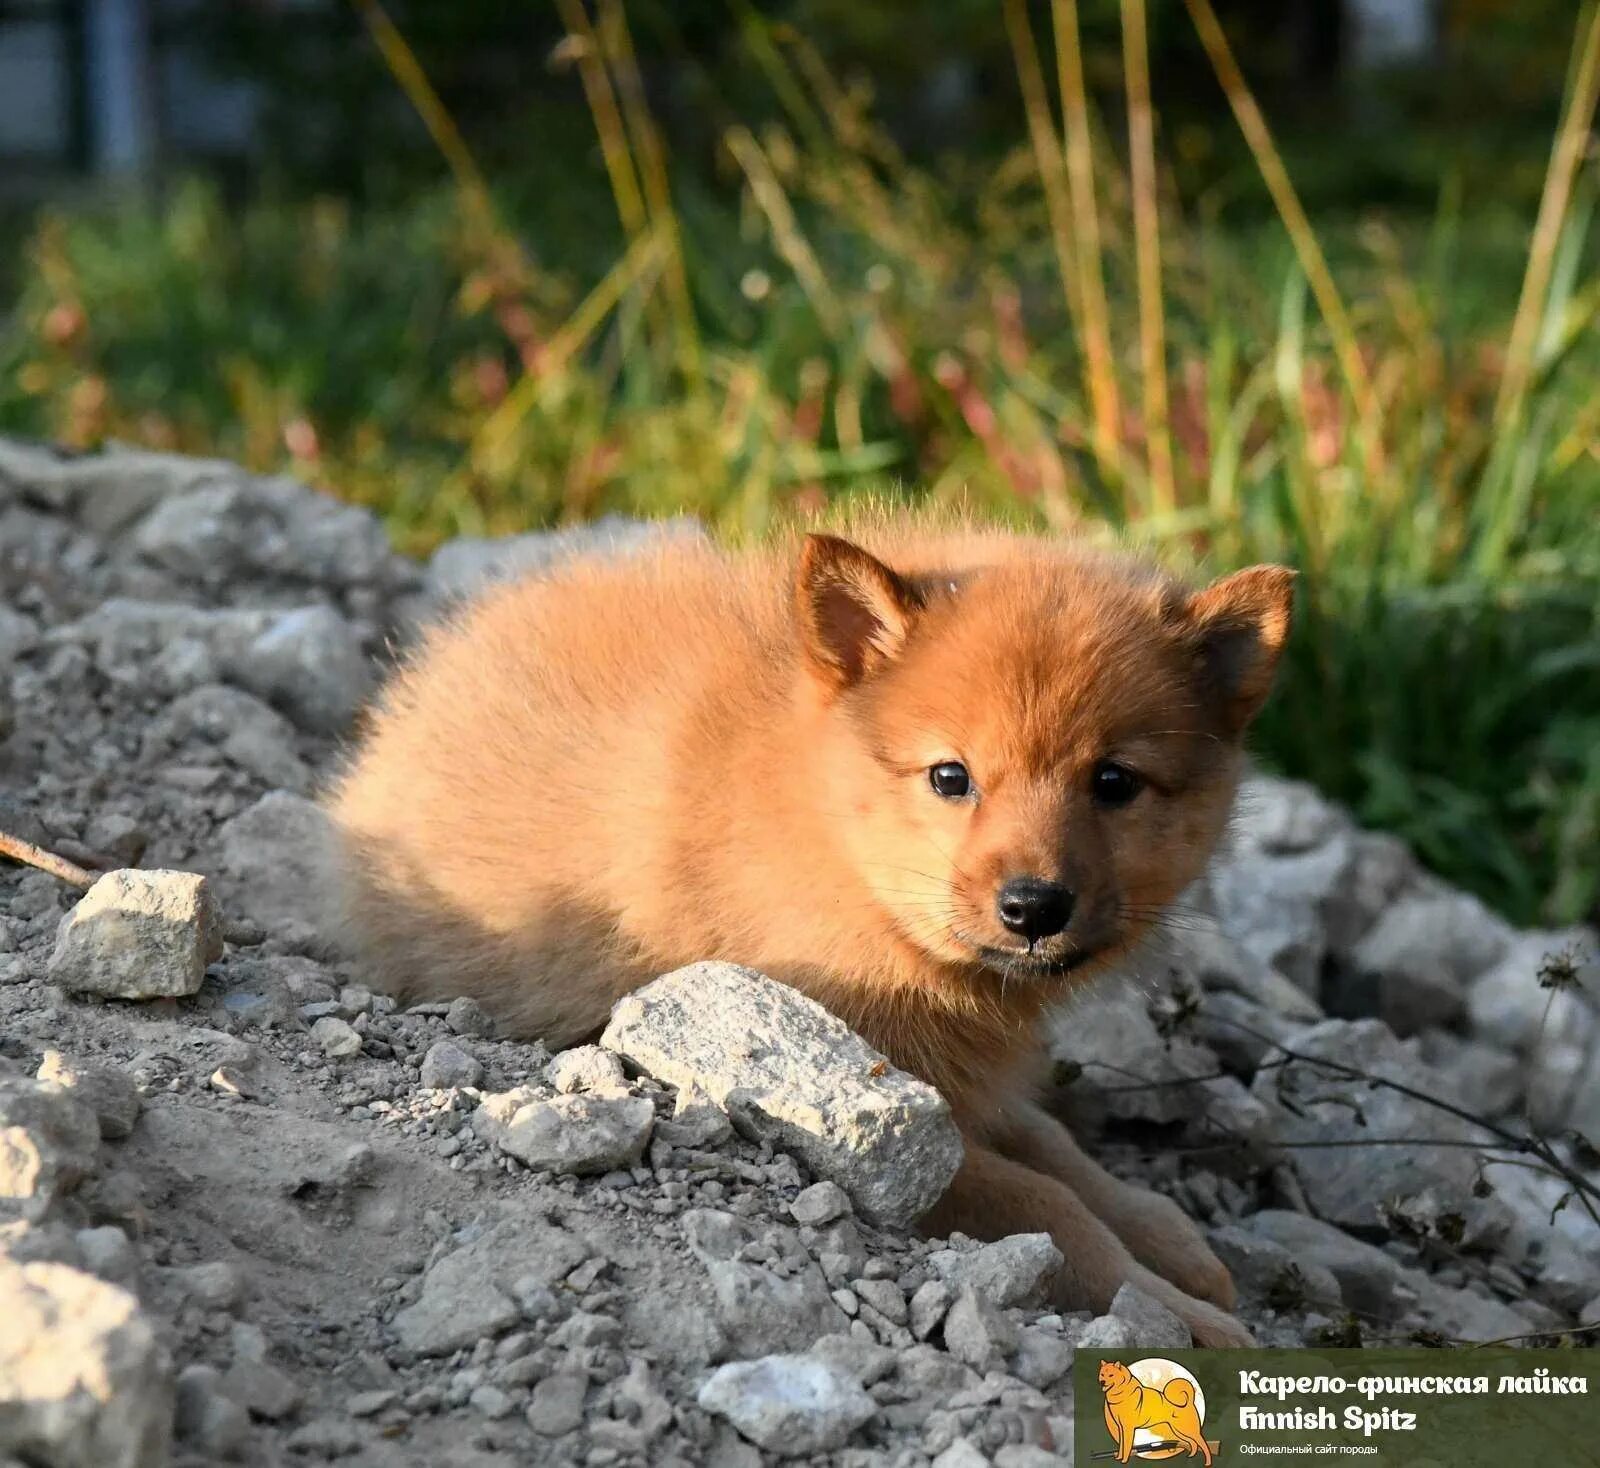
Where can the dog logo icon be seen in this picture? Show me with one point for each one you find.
(1154, 1409)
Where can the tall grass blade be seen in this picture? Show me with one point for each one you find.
(1103, 393)
(1147, 251)
(1566, 154)
(1258, 137)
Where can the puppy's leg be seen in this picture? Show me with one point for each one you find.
(1155, 1230)
(993, 1196)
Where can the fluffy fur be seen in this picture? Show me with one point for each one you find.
(587, 780)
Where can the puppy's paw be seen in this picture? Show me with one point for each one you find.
(1162, 1237)
(1207, 1324)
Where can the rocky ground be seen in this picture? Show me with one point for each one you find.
(279, 1219)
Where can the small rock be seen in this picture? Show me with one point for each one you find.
(1269, 1274)
(447, 1065)
(976, 1333)
(819, 1204)
(557, 1405)
(49, 1142)
(580, 1134)
(489, 1401)
(108, 1253)
(1369, 1280)
(1151, 1322)
(928, 1306)
(138, 935)
(1107, 1333)
(338, 1039)
(273, 860)
(206, 1418)
(109, 1092)
(84, 1381)
(885, 1296)
(789, 1405)
(790, 1072)
(1015, 1270)
(474, 1291)
(961, 1454)
(760, 1311)
(467, 1017)
(1043, 1357)
(1422, 953)
(587, 1068)
(369, 1404)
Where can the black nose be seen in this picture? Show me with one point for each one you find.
(1034, 908)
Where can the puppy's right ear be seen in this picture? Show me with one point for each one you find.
(854, 612)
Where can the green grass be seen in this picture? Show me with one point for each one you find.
(826, 319)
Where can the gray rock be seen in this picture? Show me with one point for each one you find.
(976, 1333)
(788, 1071)
(1200, 951)
(1509, 1007)
(471, 1292)
(447, 1064)
(758, 1310)
(240, 726)
(1369, 1281)
(273, 859)
(108, 1253)
(466, 1016)
(206, 1418)
(1150, 1321)
(254, 1382)
(1482, 1077)
(557, 1406)
(1042, 1357)
(1353, 1185)
(311, 663)
(84, 1382)
(108, 1092)
(1283, 817)
(222, 526)
(106, 492)
(929, 1302)
(581, 1134)
(1015, 1270)
(1107, 1333)
(138, 935)
(1421, 954)
(18, 635)
(338, 1039)
(884, 1296)
(961, 1454)
(1274, 906)
(1153, 1078)
(49, 1143)
(586, 1068)
(791, 1406)
(819, 1204)
(1267, 1273)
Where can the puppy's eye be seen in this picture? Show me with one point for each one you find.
(950, 780)
(1113, 784)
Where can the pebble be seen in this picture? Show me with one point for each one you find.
(337, 1039)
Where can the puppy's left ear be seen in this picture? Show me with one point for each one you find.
(1239, 626)
(854, 612)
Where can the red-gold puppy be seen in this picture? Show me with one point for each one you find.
(934, 779)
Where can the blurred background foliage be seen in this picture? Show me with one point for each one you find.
(487, 267)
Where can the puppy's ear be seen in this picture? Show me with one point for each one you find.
(1238, 627)
(854, 612)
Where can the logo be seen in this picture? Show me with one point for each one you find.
(1154, 1409)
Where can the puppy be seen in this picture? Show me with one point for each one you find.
(934, 779)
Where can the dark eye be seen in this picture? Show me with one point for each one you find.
(1113, 784)
(950, 780)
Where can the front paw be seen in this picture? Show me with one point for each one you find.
(1207, 1324)
(1162, 1237)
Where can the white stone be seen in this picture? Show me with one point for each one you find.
(138, 935)
(1015, 1270)
(788, 1071)
(84, 1383)
(790, 1405)
(581, 1134)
